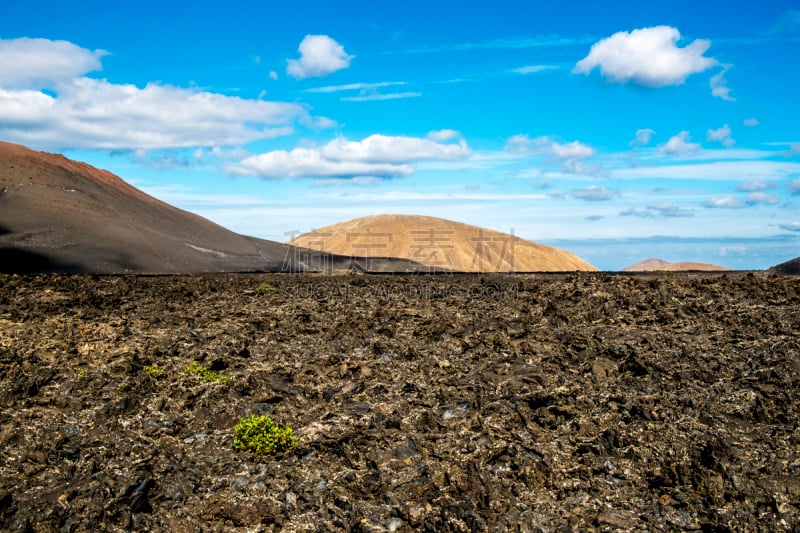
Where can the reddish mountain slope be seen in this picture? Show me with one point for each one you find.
(64, 216)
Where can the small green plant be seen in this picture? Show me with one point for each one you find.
(80, 373)
(260, 435)
(154, 371)
(205, 374)
(265, 288)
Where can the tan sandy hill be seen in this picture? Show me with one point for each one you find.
(440, 244)
(59, 215)
(650, 265)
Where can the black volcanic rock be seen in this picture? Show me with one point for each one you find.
(587, 402)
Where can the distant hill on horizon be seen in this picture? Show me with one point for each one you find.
(654, 264)
(790, 267)
(60, 215)
(440, 244)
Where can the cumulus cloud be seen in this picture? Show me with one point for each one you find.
(647, 56)
(679, 145)
(755, 186)
(791, 226)
(45, 102)
(375, 156)
(90, 113)
(44, 64)
(760, 197)
(593, 193)
(721, 135)
(660, 210)
(319, 56)
(719, 85)
(569, 155)
(642, 138)
(524, 145)
(751, 122)
(724, 202)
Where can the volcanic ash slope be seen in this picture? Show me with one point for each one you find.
(439, 244)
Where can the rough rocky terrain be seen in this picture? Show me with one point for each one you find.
(586, 402)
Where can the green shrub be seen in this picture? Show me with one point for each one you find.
(265, 288)
(154, 371)
(260, 435)
(205, 374)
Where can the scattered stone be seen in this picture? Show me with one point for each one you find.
(449, 403)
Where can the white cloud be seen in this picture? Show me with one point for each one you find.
(573, 150)
(724, 202)
(535, 69)
(660, 210)
(47, 103)
(319, 56)
(367, 91)
(44, 64)
(647, 56)
(679, 145)
(569, 155)
(443, 135)
(524, 145)
(593, 193)
(90, 113)
(355, 87)
(379, 96)
(791, 226)
(794, 186)
(719, 85)
(751, 122)
(273, 75)
(643, 137)
(760, 197)
(755, 186)
(721, 135)
(376, 156)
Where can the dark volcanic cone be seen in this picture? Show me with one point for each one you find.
(59, 215)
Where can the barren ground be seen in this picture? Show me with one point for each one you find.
(452, 403)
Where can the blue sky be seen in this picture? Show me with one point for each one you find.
(619, 131)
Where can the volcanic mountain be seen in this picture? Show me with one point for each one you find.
(440, 245)
(790, 267)
(59, 215)
(650, 265)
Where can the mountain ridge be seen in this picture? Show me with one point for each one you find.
(60, 215)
